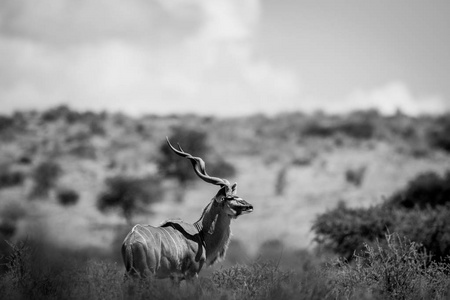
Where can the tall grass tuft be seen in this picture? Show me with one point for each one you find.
(266, 280)
(396, 269)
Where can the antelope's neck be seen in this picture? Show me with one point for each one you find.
(214, 226)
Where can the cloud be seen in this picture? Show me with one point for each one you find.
(166, 56)
(394, 97)
(160, 56)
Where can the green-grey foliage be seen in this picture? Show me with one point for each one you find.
(131, 195)
(67, 196)
(10, 178)
(393, 269)
(172, 166)
(421, 211)
(45, 176)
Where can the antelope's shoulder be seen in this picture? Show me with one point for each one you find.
(180, 225)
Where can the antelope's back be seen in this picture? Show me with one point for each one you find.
(162, 251)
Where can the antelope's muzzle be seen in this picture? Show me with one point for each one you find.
(240, 206)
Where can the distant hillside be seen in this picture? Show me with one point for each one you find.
(110, 138)
(54, 165)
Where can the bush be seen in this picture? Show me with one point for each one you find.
(10, 213)
(131, 195)
(344, 230)
(61, 112)
(419, 212)
(172, 166)
(221, 168)
(426, 190)
(6, 123)
(359, 125)
(67, 196)
(39, 271)
(271, 250)
(45, 176)
(438, 135)
(398, 269)
(355, 176)
(430, 227)
(10, 178)
(281, 181)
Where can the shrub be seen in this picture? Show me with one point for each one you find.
(281, 181)
(359, 125)
(10, 178)
(84, 150)
(45, 176)
(6, 123)
(39, 271)
(221, 168)
(10, 213)
(417, 212)
(61, 112)
(131, 195)
(355, 176)
(344, 230)
(430, 227)
(271, 250)
(396, 269)
(67, 196)
(426, 190)
(237, 252)
(172, 166)
(438, 135)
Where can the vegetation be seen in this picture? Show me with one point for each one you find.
(355, 176)
(10, 178)
(421, 212)
(45, 176)
(93, 149)
(395, 269)
(67, 196)
(130, 195)
(427, 190)
(194, 142)
(10, 214)
(172, 166)
(281, 181)
(438, 134)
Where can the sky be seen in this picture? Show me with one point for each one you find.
(225, 57)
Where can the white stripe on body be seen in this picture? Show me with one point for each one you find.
(166, 232)
(135, 231)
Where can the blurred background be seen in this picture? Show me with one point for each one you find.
(311, 107)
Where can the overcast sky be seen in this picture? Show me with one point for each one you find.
(225, 57)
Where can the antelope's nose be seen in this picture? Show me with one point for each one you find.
(249, 208)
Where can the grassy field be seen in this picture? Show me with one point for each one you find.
(290, 167)
(399, 271)
(309, 190)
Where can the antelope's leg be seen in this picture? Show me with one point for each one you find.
(140, 263)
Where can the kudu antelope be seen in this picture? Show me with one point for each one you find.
(177, 249)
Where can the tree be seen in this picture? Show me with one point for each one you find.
(194, 142)
(45, 176)
(172, 166)
(67, 196)
(129, 194)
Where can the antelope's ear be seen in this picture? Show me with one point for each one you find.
(221, 194)
(234, 188)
